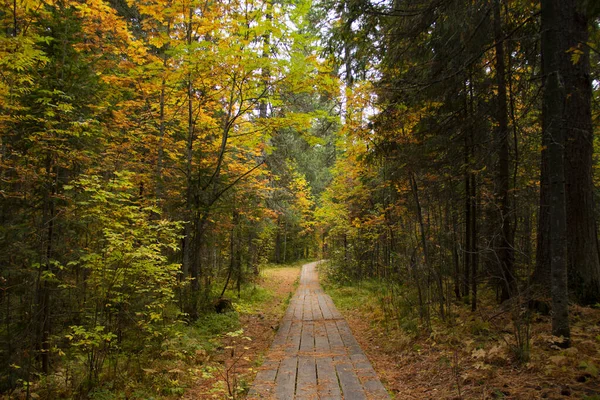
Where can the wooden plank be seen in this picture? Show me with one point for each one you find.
(292, 343)
(282, 333)
(267, 372)
(350, 342)
(328, 387)
(335, 314)
(295, 302)
(363, 366)
(289, 313)
(285, 384)
(351, 387)
(306, 308)
(327, 314)
(298, 311)
(336, 343)
(306, 381)
(375, 389)
(368, 377)
(321, 339)
(307, 343)
(264, 383)
(314, 305)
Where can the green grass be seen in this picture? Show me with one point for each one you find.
(209, 326)
(363, 295)
(251, 300)
(373, 299)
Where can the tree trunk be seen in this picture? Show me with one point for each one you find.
(468, 225)
(423, 236)
(542, 275)
(455, 258)
(554, 52)
(43, 285)
(505, 247)
(278, 245)
(238, 251)
(474, 240)
(191, 239)
(265, 71)
(582, 240)
(162, 123)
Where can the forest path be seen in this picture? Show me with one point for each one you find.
(314, 354)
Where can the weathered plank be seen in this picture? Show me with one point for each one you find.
(321, 339)
(307, 343)
(285, 384)
(325, 310)
(351, 387)
(328, 387)
(314, 305)
(306, 383)
(307, 309)
(264, 383)
(335, 314)
(335, 340)
(292, 345)
(299, 309)
(282, 334)
(350, 342)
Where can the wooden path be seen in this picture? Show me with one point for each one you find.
(314, 355)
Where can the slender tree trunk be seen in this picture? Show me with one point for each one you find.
(505, 248)
(473, 200)
(266, 72)
(238, 252)
(15, 25)
(43, 286)
(468, 225)
(542, 274)
(232, 252)
(423, 311)
(346, 250)
(474, 241)
(162, 124)
(191, 246)
(423, 236)
(278, 245)
(554, 51)
(527, 247)
(285, 234)
(455, 257)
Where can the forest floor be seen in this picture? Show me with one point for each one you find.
(231, 369)
(475, 355)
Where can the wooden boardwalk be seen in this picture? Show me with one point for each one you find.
(314, 354)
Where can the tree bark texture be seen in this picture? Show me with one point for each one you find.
(554, 52)
(582, 239)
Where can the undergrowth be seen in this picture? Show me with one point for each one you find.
(503, 351)
(164, 371)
